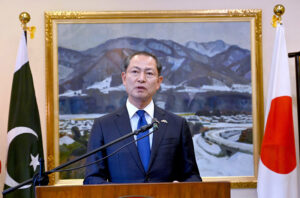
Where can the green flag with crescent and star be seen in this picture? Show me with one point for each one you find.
(24, 140)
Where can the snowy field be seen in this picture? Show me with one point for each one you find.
(218, 151)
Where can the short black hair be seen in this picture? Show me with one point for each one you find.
(128, 59)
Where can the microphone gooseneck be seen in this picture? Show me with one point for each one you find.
(154, 124)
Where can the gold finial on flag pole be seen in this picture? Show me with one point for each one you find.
(278, 12)
(25, 18)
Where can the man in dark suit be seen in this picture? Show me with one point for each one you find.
(167, 155)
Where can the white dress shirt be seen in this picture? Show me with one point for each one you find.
(134, 118)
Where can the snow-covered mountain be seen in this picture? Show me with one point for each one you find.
(209, 49)
(90, 81)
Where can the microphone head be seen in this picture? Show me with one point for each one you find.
(155, 124)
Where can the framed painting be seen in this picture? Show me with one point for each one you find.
(212, 69)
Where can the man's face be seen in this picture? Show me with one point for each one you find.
(141, 79)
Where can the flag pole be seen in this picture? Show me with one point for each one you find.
(278, 12)
(24, 18)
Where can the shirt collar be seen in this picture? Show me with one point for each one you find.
(149, 109)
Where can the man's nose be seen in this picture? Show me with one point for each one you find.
(142, 77)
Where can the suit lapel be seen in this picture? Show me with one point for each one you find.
(123, 124)
(159, 114)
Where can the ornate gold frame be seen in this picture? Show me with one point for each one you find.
(53, 18)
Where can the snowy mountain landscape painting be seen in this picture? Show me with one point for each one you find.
(207, 79)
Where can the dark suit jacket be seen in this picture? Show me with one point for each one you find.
(172, 153)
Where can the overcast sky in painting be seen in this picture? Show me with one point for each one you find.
(84, 36)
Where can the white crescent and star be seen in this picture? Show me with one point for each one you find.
(34, 161)
(11, 135)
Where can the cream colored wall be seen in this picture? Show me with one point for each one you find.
(10, 32)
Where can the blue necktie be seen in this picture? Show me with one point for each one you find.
(143, 144)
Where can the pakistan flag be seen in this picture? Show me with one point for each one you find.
(24, 138)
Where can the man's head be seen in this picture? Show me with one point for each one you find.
(128, 59)
(141, 78)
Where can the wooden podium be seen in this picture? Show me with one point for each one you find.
(150, 190)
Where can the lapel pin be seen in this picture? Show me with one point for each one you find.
(164, 121)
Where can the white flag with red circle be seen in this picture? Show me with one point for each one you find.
(277, 176)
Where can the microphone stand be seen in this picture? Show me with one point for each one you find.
(42, 178)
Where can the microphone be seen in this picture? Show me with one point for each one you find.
(154, 124)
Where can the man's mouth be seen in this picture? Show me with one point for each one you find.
(141, 87)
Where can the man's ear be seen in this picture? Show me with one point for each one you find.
(123, 76)
(160, 79)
